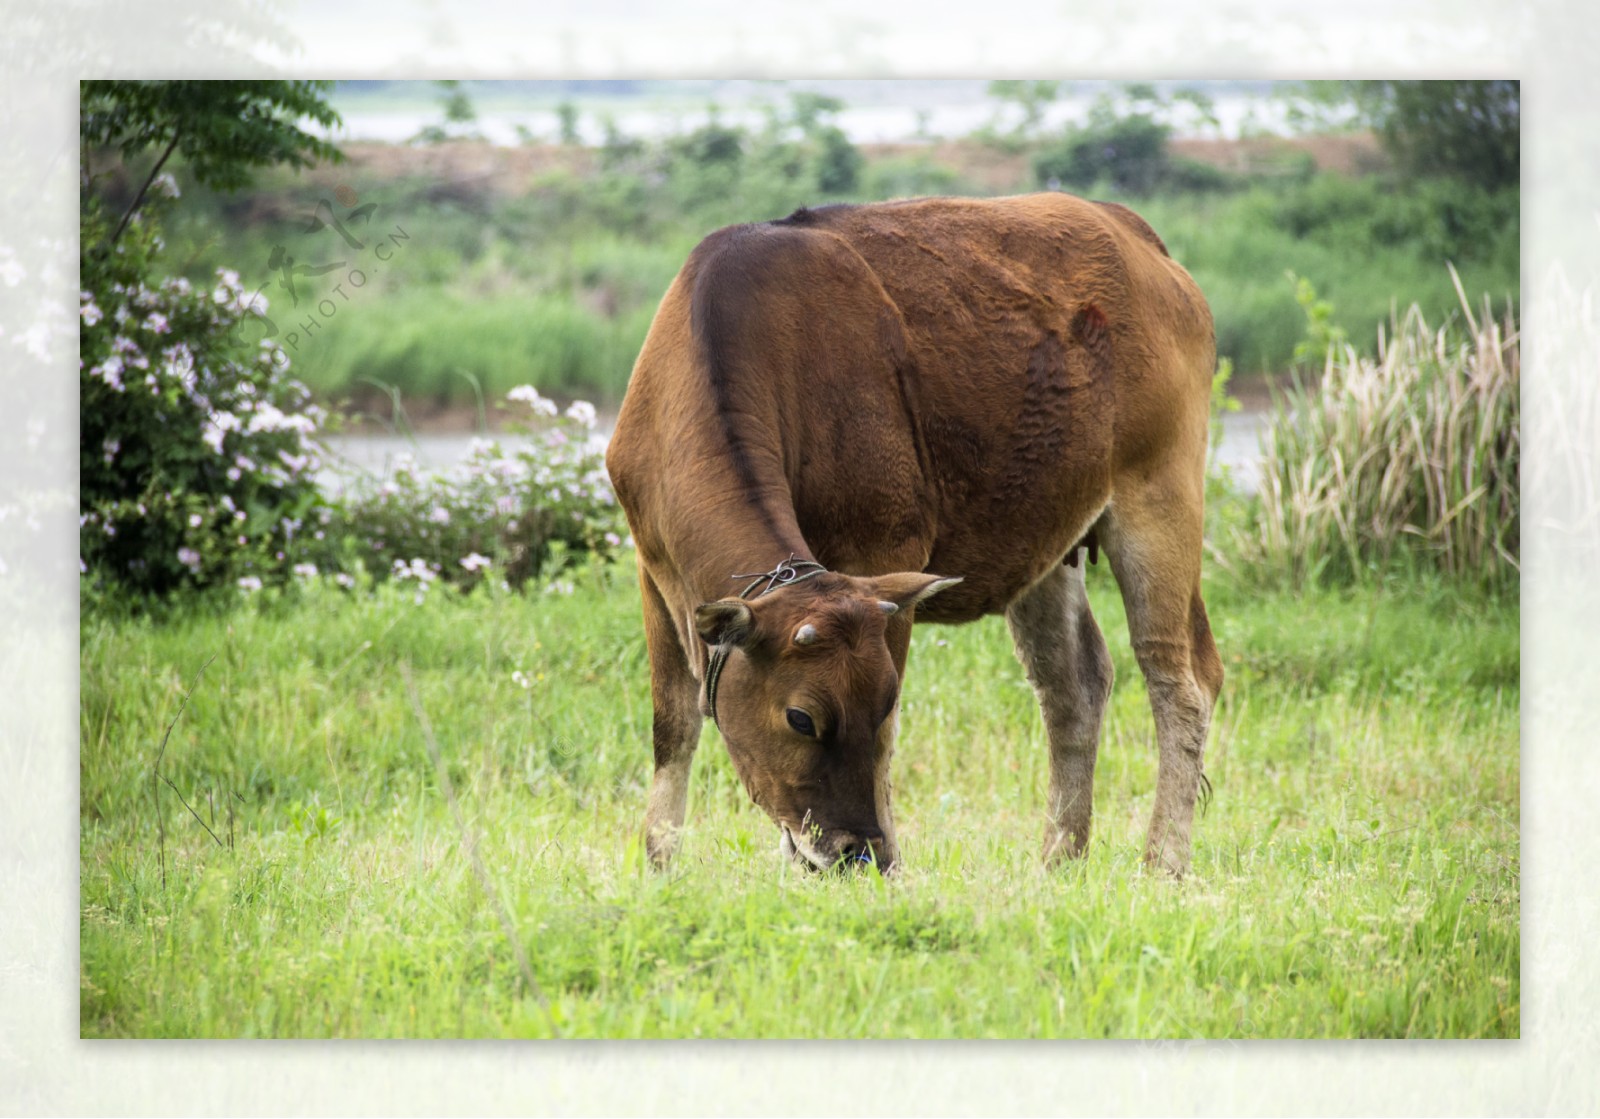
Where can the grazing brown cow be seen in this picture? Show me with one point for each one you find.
(830, 407)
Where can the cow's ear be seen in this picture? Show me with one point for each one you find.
(724, 622)
(907, 588)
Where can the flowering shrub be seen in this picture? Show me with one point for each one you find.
(509, 514)
(196, 451)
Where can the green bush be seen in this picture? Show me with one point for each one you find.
(837, 161)
(196, 460)
(1127, 152)
(709, 145)
(1443, 219)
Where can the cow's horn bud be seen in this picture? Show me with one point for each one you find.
(887, 607)
(805, 635)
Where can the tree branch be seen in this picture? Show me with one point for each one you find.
(138, 199)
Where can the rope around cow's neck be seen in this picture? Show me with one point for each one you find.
(788, 571)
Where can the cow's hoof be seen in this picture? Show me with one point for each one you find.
(1167, 864)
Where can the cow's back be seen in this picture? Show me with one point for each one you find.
(1052, 343)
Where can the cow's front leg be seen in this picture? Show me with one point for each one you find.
(674, 726)
(1065, 656)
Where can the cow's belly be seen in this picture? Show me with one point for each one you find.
(999, 557)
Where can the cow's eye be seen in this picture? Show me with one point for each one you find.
(801, 722)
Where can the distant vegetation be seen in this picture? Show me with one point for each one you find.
(543, 264)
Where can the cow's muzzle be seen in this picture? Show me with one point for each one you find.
(838, 849)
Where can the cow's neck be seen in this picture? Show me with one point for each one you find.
(739, 537)
(737, 515)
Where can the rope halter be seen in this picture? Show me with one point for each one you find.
(788, 571)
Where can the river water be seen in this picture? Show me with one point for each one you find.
(354, 455)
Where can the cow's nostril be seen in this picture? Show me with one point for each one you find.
(855, 851)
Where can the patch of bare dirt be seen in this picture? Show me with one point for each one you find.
(473, 166)
(1352, 154)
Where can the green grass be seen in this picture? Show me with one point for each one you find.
(1357, 873)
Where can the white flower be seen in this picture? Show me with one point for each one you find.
(613, 539)
(180, 364)
(527, 394)
(475, 562)
(418, 569)
(110, 448)
(344, 580)
(440, 515)
(306, 570)
(189, 558)
(164, 184)
(249, 583)
(582, 411)
(157, 322)
(560, 586)
(521, 679)
(267, 417)
(90, 312)
(109, 371)
(195, 520)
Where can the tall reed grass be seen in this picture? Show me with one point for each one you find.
(1411, 457)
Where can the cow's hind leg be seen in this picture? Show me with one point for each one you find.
(1152, 536)
(1065, 656)
(674, 728)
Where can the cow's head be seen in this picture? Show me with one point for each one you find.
(803, 693)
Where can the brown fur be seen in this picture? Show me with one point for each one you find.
(971, 388)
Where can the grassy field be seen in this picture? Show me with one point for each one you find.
(1357, 873)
